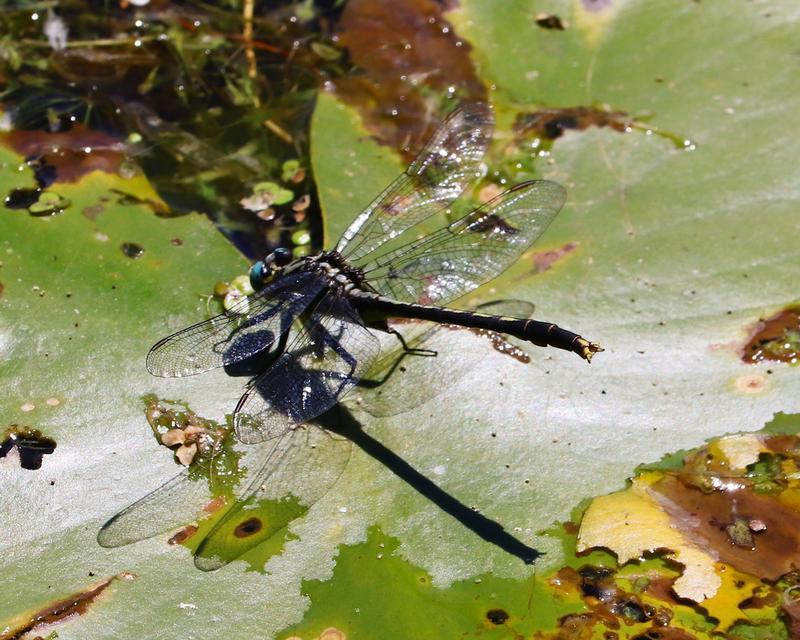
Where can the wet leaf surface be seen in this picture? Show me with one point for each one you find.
(419, 55)
(674, 256)
(660, 583)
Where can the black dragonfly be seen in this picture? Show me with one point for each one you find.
(317, 315)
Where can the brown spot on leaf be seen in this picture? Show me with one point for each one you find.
(183, 535)
(214, 505)
(750, 383)
(498, 341)
(776, 338)
(570, 527)
(75, 604)
(544, 260)
(704, 516)
(501, 345)
(249, 527)
(550, 21)
(551, 123)
(71, 154)
(93, 210)
(404, 50)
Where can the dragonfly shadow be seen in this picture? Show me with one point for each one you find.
(260, 360)
(342, 422)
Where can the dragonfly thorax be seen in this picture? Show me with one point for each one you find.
(341, 273)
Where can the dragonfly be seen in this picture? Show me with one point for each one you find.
(320, 316)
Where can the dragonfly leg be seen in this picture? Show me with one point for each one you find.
(373, 383)
(428, 353)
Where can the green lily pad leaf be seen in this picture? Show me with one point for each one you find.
(49, 203)
(667, 256)
(291, 171)
(674, 253)
(265, 194)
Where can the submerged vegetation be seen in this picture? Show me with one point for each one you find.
(211, 101)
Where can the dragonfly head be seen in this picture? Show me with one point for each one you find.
(263, 270)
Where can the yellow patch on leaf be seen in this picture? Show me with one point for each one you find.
(595, 20)
(735, 588)
(631, 523)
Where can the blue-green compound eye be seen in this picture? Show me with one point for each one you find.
(258, 273)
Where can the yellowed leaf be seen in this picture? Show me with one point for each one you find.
(630, 523)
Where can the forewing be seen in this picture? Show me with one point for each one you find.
(177, 502)
(284, 477)
(300, 468)
(251, 326)
(446, 165)
(450, 262)
(327, 358)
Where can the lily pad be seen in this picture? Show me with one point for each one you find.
(673, 256)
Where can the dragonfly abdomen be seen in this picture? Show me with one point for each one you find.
(542, 334)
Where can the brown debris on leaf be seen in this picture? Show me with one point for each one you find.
(551, 123)
(31, 445)
(72, 153)
(405, 50)
(609, 605)
(776, 338)
(550, 21)
(74, 604)
(728, 516)
(183, 431)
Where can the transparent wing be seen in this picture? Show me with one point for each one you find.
(465, 254)
(301, 466)
(175, 503)
(392, 384)
(251, 326)
(284, 478)
(325, 360)
(446, 165)
(179, 501)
